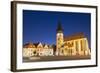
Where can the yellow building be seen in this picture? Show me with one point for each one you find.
(76, 44)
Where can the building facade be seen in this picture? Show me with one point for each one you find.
(76, 44)
(37, 49)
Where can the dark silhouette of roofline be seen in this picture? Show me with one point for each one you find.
(59, 27)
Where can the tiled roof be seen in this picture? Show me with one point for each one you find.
(31, 45)
(36, 44)
(74, 36)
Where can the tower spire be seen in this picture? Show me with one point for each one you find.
(59, 39)
(59, 27)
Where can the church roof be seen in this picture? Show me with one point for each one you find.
(74, 36)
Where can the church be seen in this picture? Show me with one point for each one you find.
(72, 45)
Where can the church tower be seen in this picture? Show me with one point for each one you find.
(59, 38)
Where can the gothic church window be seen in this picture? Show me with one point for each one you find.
(76, 46)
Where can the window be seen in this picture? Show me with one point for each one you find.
(71, 51)
(34, 52)
(85, 44)
(76, 46)
(82, 44)
(62, 51)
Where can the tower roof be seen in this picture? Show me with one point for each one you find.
(59, 27)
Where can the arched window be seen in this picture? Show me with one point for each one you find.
(71, 51)
(76, 43)
(76, 46)
(82, 45)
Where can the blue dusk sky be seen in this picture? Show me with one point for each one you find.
(40, 26)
